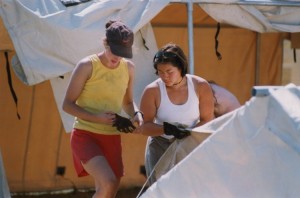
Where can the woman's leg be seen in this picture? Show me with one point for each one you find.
(106, 183)
(155, 148)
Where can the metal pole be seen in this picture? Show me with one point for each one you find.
(257, 61)
(190, 37)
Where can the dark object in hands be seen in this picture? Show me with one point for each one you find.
(123, 124)
(177, 132)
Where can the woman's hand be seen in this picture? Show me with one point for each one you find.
(138, 119)
(106, 117)
(123, 124)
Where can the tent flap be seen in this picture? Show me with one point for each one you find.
(50, 39)
(257, 147)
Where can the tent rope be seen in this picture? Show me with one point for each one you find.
(149, 177)
(12, 91)
(217, 42)
(144, 186)
(144, 42)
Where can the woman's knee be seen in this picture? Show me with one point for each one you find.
(111, 182)
(107, 187)
(108, 180)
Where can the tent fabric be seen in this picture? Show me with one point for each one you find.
(48, 33)
(4, 189)
(35, 146)
(50, 38)
(248, 57)
(251, 152)
(6, 43)
(179, 149)
(31, 166)
(259, 18)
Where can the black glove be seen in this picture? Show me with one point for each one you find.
(178, 133)
(123, 124)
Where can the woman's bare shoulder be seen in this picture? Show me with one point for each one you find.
(198, 79)
(84, 65)
(152, 86)
(200, 83)
(129, 63)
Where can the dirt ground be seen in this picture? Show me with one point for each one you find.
(123, 193)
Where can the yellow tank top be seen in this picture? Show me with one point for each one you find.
(104, 91)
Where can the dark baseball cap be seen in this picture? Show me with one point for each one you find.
(120, 39)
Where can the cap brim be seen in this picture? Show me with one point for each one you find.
(120, 50)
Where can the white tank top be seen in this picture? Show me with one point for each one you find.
(186, 114)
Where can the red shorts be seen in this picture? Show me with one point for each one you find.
(86, 145)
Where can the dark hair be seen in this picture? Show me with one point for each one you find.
(173, 54)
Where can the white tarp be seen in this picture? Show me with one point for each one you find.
(262, 17)
(50, 38)
(251, 152)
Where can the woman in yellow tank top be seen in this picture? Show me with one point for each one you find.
(100, 87)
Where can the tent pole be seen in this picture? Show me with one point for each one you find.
(257, 62)
(190, 37)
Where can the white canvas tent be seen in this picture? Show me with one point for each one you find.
(251, 152)
(50, 38)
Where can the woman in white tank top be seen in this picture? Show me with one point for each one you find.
(176, 98)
